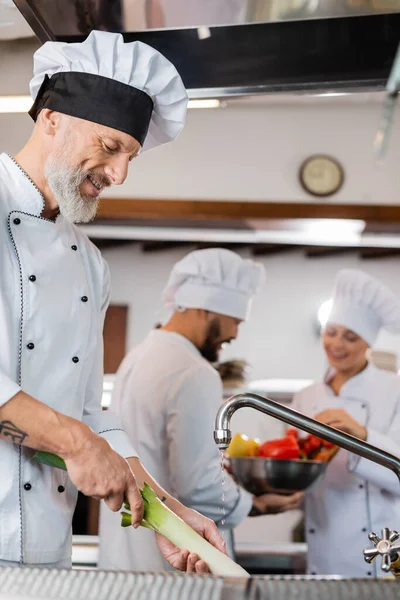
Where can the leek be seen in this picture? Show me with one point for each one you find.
(161, 519)
(51, 460)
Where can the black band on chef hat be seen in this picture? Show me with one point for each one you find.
(98, 99)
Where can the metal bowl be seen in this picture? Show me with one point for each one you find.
(262, 475)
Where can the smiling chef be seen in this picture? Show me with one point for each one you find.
(97, 104)
(356, 495)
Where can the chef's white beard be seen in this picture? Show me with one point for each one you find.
(64, 182)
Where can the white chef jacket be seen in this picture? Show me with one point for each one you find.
(54, 292)
(356, 496)
(167, 396)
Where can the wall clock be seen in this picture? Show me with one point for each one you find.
(321, 175)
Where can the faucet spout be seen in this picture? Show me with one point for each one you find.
(223, 436)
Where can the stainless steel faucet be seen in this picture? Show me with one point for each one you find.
(223, 435)
(387, 548)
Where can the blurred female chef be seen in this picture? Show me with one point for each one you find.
(356, 495)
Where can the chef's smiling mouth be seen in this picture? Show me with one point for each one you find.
(224, 343)
(337, 355)
(97, 183)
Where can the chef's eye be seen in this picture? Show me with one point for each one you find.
(351, 338)
(330, 331)
(109, 149)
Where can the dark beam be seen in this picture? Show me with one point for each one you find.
(268, 249)
(227, 246)
(322, 251)
(374, 253)
(161, 246)
(106, 243)
(364, 253)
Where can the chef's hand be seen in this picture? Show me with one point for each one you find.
(272, 504)
(96, 470)
(340, 419)
(183, 559)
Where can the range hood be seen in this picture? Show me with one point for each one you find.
(228, 48)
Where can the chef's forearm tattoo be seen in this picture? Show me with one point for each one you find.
(8, 429)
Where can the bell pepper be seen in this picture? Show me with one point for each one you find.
(326, 454)
(292, 432)
(252, 447)
(312, 446)
(285, 448)
(241, 446)
(314, 442)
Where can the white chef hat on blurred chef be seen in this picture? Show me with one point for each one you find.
(128, 86)
(364, 305)
(216, 280)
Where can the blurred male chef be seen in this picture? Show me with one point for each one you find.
(97, 104)
(167, 395)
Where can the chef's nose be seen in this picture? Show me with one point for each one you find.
(117, 169)
(337, 344)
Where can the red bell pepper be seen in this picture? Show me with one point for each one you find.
(315, 442)
(328, 444)
(285, 448)
(292, 432)
(313, 445)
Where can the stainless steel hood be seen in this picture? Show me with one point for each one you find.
(236, 47)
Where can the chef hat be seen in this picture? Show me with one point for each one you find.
(364, 305)
(126, 86)
(216, 280)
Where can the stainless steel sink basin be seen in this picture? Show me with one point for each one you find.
(261, 475)
(57, 584)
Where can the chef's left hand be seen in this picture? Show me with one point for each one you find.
(340, 419)
(183, 559)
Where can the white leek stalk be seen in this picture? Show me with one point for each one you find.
(161, 519)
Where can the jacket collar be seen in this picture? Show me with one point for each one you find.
(358, 385)
(160, 335)
(26, 196)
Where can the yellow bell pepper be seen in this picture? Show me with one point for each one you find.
(241, 446)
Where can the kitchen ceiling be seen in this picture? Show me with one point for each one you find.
(13, 26)
(236, 47)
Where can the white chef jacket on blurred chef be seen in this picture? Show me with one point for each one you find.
(53, 296)
(174, 397)
(356, 496)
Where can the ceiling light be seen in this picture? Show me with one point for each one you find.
(206, 103)
(203, 33)
(15, 104)
(21, 104)
(331, 94)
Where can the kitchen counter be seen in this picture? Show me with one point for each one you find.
(267, 559)
(257, 558)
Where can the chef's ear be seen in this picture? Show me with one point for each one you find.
(50, 120)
